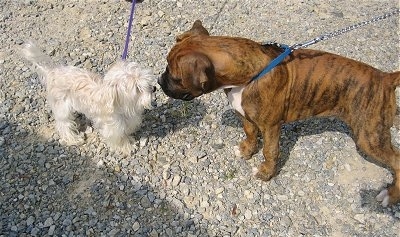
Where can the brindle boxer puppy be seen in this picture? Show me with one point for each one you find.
(307, 83)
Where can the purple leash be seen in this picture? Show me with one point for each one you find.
(128, 34)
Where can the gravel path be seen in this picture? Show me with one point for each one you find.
(184, 180)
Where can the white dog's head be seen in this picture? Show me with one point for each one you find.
(131, 87)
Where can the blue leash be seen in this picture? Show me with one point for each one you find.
(326, 36)
(274, 62)
(128, 34)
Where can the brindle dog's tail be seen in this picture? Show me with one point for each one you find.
(395, 77)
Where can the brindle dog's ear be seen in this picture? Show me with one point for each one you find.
(198, 73)
(197, 29)
(202, 73)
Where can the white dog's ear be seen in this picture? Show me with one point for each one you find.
(115, 81)
(197, 29)
(107, 97)
(144, 90)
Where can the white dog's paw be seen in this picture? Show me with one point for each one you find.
(72, 139)
(124, 146)
(383, 197)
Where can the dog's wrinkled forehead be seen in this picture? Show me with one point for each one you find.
(181, 48)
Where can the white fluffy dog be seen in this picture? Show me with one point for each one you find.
(115, 103)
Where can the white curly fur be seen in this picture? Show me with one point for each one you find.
(114, 103)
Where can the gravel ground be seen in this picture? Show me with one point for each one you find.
(184, 180)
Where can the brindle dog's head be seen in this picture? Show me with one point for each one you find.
(189, 72)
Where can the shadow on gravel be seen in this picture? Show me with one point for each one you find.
(231, 119)
(170, 117)
(49, 189)
(368, 201)
(291, 132)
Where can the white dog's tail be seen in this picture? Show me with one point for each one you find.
(40, 61)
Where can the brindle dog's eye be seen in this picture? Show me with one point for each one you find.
(177, 81)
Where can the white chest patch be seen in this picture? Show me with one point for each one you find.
(235, 98)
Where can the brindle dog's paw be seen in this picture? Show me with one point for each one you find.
(247, 149)
(264, 171)
(389, 196)
(237, 151)
(383, 197)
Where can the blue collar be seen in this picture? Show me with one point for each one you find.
(274, 62)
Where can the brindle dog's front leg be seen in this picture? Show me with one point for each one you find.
(248, 147)
(267, 169)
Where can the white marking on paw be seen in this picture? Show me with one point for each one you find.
(237, 151)
(255, 171)
(383, 197)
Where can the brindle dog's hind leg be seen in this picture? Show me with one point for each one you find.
(376, 143)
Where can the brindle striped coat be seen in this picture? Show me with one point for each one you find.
(307, 83)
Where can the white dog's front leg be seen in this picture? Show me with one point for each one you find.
(115, 136)
(65, 125)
